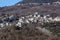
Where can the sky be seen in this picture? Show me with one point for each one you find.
(8, 2)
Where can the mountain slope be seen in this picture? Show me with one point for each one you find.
(31, 31)
(29, 9)
(38, 1)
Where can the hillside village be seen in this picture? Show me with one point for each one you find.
(43, 24)
(36, 18)
(31, 18)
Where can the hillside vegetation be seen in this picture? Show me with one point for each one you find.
(31, 31)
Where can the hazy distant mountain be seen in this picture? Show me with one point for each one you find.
(38, 1)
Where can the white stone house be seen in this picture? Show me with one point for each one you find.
(21, 22)
(31, 19)
(2, 24)
(35, 14)
(50, 19)
(8, 24)
(18, 24)
(57, 19)
(27, 21)
(57, 2)
(38, 15)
